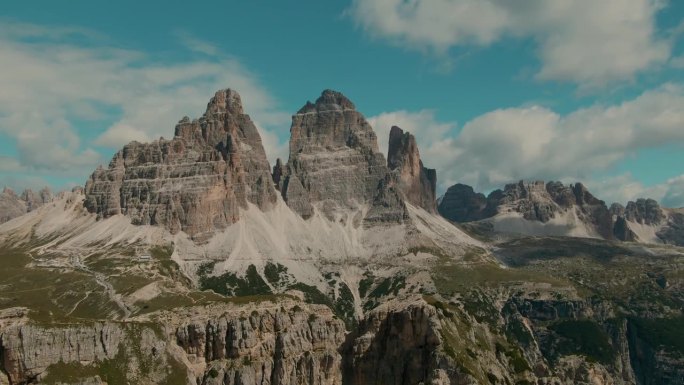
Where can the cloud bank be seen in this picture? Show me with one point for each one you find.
(534, 142)
(589, 42)
(66, 93)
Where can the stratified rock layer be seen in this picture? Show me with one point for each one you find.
(334, 163)
(416, 182)
(196, 182)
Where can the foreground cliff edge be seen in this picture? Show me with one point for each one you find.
(191, 261)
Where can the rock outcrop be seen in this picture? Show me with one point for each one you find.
(335, 165)
(275, 346)
(416, 182)
(644, 220)
(461, 203)
(196, 182)
(395, 347)
(34, 200)
(643, 211)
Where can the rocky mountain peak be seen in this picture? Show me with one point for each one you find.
(644, 211)
(416, 182)
(224, 101)
(197, 182)
(335, 163)
(329, 100)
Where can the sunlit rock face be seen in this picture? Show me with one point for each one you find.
(196, 182)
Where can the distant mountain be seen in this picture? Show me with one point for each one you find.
(13, 205)
(554, 209)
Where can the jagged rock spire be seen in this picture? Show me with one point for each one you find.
(416, 182)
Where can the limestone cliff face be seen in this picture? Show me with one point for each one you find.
(416, 182)
(28, 351)
(196, 182)
(334, 162)
(395, 347)
(278, 344)
(273, 347)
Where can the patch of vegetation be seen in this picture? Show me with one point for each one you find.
(437, 252)
(480, 306)
(206, 269)
(439, 305)
(521, 251)
(275, 273)
(162, 251)
(344, 306)
(230, 284)
(366, 283)
(450, 279)
(667, 333)
(69, 372)
(583, 337)
(391, 285)
(51, 294)
(128, 283)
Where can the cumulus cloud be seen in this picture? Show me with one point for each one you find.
(422, 124)
(61, 98)
(585, 41)
(534, 142)
(624, 188)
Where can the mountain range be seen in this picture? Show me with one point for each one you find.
(191, 260)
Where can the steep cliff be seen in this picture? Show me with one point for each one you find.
(416, 182)
(196, 182)
(335, 165)
(283, 342)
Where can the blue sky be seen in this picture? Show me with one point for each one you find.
(543, 89)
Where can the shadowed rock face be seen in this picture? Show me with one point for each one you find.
(416, 182)
(462, 204)
(334, 163)
(644, 211)
(668, 224)
(196, 182)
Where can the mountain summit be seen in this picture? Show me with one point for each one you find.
(197, 182)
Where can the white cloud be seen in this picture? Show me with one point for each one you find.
(534, 142)
(585, 41)
(624, 188)
(197, 45)
(674, 194)
(422, 124)
(53, 88)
